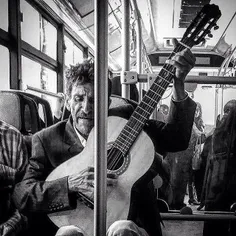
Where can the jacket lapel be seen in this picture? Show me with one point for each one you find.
(71, 139)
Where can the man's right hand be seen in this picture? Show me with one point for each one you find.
(83, 182)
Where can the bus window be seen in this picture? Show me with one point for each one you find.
(4, 68)
(73, 54)
(43, 37)
(38, 76)
(4, 15)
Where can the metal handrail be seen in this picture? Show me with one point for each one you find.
(38, 90)
(226, 216)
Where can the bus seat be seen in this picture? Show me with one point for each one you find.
(43, 107)
(121, 106)
(21, 112)
(116, 89)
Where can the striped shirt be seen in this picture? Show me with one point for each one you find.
(13, 161)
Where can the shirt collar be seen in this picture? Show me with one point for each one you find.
(81, 138)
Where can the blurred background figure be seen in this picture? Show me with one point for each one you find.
(164, 110)
(220, 177)
(182, 174)
(196, 175)
(60, 112)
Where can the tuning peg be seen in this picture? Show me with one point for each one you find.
(210, 35)
(216, 27)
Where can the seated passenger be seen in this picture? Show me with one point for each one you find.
(58, 143)
(13, 160)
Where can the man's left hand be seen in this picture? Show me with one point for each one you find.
(183, 61)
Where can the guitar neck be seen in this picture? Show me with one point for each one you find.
(146, 107)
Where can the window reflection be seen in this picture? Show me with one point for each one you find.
(48, 38)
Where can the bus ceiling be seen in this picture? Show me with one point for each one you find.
(162, 20)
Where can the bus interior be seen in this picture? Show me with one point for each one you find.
(40, 39)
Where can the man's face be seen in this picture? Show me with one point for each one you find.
(81, 105)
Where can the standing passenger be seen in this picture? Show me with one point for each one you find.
(220, 181)
(196, 175)
(58, 143)
(181, 167)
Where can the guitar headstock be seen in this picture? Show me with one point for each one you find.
(202, 25)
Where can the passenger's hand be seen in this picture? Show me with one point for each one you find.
(83, 182)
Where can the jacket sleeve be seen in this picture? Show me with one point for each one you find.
(14, 225)
(33, 193)
(174, 135)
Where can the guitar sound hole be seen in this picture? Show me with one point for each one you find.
(115, 159)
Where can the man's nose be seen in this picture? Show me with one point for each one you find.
(86, 106)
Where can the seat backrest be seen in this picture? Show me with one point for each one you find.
(121, 107)
(20, 111)
(10, 110)
(44, 108)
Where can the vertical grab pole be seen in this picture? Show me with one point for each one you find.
(101, 112)
(125, 88)
(139, 42)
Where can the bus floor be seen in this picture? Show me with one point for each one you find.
(182, 227)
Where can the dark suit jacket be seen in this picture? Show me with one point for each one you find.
(56, 144)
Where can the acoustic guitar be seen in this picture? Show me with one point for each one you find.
(130, 150)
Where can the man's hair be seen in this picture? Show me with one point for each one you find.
(81, 73)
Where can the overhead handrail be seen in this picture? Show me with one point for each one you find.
(38, 90)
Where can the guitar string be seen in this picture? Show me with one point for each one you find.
(117, 156)
(127, 137)
(166, 66)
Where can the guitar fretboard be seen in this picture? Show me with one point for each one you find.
(143, 111)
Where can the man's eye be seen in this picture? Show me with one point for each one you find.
(91, 100)
(78, 98)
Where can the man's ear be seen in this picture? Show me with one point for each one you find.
(109, 102)
(67, 101)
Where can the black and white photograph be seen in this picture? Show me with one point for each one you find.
(118, 118)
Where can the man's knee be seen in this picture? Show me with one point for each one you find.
(125, 228)
(69, 230)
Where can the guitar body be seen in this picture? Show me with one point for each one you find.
(135, 165)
